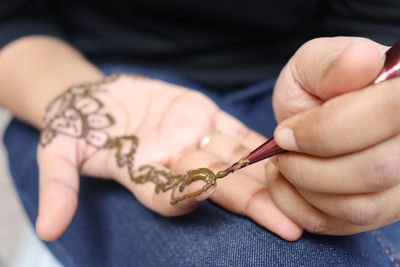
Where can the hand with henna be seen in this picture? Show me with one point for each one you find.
(342, 175)
(142, 133)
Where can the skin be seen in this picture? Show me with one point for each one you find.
(79, 113)
(35, 70)
(342, 176)
(320, 96)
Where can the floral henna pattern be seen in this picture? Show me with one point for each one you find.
(79, 114)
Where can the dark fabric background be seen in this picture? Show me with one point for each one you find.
(221, 44)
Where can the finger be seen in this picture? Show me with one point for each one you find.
(243, 195)
(323, 68)
(229, 150)
(289, 98)
(347, 123)
(153, 185)
(232, 140)
(235, 129)
(370, 209)
(58, 190)
(145, 190)
(288, 199)
(371, 170)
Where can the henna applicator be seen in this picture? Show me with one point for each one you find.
(268, 149)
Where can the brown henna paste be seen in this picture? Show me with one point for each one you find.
(79, 114)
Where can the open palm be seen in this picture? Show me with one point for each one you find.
(139, 132)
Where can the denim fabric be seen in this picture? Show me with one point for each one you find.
(111, 228)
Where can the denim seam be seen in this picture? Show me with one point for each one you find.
(388, 248)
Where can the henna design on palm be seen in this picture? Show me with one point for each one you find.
(78, 113)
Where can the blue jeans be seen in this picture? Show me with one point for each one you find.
(111, 228)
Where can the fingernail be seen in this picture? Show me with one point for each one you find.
(285, 139)
(275, 161)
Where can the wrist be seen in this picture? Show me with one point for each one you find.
(35, 69)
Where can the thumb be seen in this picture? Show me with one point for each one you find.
(58, 190)
(324, 68)
(357, 65)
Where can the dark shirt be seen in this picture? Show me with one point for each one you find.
(221, 43)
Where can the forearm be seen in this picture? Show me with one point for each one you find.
(34, 70)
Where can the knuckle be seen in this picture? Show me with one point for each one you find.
(293, 102)
(247, 210)
(324, 127)
(315, 224)
(393, 101)
(380, 175)
(293, 170)
(316, 131)
(301, 180)
(363, 211)
(242, 131)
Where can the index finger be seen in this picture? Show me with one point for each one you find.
(243, 195)
(345, 124)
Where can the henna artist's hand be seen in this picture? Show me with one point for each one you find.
(344, 174)
(140, 132)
